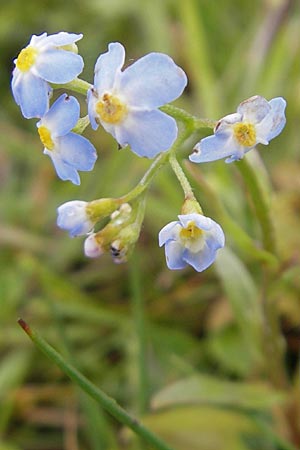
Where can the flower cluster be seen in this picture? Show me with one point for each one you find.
(132, 105)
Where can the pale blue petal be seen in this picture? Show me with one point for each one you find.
(62, 116)
(77, 151)
(58, 66)
(202, 222)
(201, 260)
(147, 132)
(215, 238)
(273, 124)
(31, 94)
(73, 218)
(216, 147)
(63, 38)
(152, 81)
(108, 67)
(224, 124)
(63, 169)
(92, 100)
(174, 252)
(168, 232)
(36, 41)
(254, 109)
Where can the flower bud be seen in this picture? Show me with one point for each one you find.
(73, 216)
(92, 247)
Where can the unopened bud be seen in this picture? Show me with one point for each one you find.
(73, 217)
(92, 248)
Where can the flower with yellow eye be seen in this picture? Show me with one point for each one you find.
(256, 121)
(193, 240)
(46, 59)
(126, 102)
(69, 151)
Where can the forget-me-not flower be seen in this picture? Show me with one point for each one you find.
(256, 121)
(74, 217)
(69, 151)
(126, 102)
(46, 59)
(194, 239)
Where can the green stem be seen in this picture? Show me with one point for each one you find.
(188, 192)
(187, 118)
(157, 164)
(137, 301)
(260, 204)
(107, 403)
(76, 85)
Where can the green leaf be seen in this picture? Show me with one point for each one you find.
(204, 428)
(207, 389)
(244, 299)
(12, 371)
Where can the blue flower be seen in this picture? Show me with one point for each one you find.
(46, 59)
(69, 151)
(256, 121)
(193, 240)
(126, 102)
(73, 216)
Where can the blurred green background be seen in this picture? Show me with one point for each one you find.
(200, 363)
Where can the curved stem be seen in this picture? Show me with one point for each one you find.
(107, 403)
(260, 204)
(187, 189)
(76, 85)
(157, 164)
(187, 118)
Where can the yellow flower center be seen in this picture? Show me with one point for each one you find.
(45, 137)
(191, 232)
(110, 109)
(245, 134)
(26, 58)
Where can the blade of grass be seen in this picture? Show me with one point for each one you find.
(108, 404)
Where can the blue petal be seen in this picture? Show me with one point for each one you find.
(92, 100)
(73, 218)
(58, 66)
(168, 232)
(152, 81)
(274, 123)
(77, 151)
(31, 94)
(63, 169)
(202, 222)
(147, 132)
(63, 38)
(200, 260)
(174, 252)
(215, 238)
(62, 116)
(216, 147)
(254, 109)
(108, 67)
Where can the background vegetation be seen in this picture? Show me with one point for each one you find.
(212, 361)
